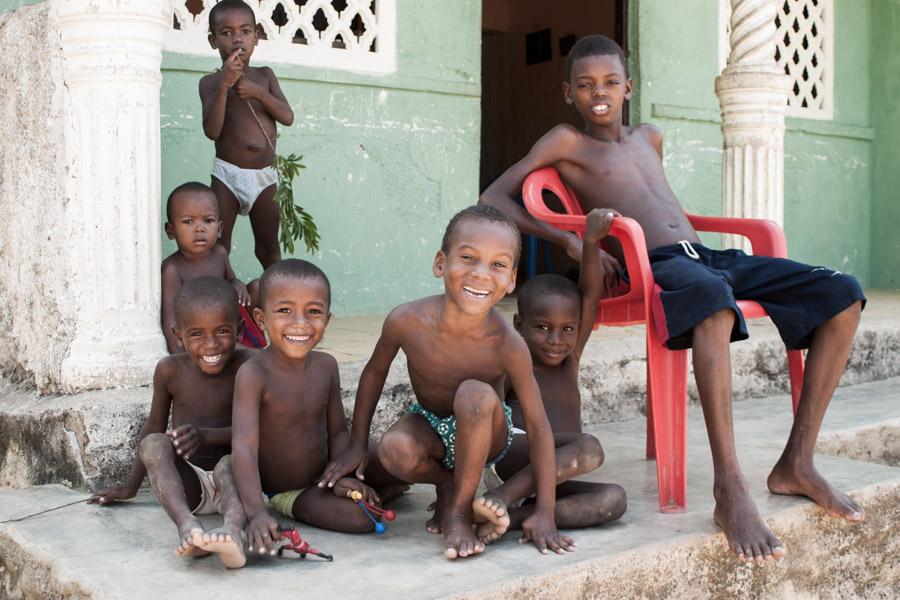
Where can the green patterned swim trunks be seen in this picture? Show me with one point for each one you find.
(445, 427)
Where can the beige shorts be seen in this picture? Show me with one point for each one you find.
(210, 498)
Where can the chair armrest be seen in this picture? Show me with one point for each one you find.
(766, 237)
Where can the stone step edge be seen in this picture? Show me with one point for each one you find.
(87, 440)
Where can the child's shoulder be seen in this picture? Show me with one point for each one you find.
(413, 312)
(171, 366)
(650, 133)
(243, 355)
(323, 362)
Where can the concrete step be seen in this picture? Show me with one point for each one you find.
(86, 440)
(126, 551)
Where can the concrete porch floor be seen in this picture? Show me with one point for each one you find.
(127, 551)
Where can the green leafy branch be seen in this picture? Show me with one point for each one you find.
(296, 223)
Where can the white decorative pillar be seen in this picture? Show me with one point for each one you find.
(111, 52)
(753, 92)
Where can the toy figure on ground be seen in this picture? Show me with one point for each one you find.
(611, 166)
(556, 319)
(288, 416)
(241, 105)
(192, 220)
(189, 466)
(459, 350)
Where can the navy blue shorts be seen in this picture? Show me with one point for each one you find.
(797, 297)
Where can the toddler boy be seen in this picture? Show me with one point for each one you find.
(240, 107)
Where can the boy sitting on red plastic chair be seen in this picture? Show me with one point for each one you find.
(612, 166)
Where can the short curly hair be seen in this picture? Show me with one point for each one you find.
(594, 45)
(480, 212)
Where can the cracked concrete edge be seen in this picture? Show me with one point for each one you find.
(827, 559)
(876, 443)
(28, 572)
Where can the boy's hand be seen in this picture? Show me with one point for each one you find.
(243, 294)
(247, 89)
(112, 494)
(186, 440)
(233, 68)
(345, 486)
(354, 457)
(541, 529)
(599, 221)
(262, 533)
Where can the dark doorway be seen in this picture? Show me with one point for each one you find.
(523, 54)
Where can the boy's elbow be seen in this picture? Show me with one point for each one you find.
(288, 120)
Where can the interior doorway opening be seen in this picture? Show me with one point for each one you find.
(523, 54)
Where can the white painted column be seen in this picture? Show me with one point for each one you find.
(112, 50)
(753, 94)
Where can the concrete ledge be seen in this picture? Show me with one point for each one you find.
(87, 440)
(126, 551)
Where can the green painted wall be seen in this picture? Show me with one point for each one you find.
(828, 164)
(8, 5)
(885, 48)
(389, 158)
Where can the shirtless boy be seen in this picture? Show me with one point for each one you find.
(617, 167)
(192, 220)
(459, 350)
(240, 107)
(288, 415)
(556, 319)
(188, 466)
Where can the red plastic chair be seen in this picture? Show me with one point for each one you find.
(666, 369)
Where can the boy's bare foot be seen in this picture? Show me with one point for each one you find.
(459, 539)
(748, 536)
(191, 535)
(786, 478)
(439, 506)
(493, 518)
(228, 543)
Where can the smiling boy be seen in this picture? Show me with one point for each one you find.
(611, 166)
(459, 350)
(288, 415)
(188, 466)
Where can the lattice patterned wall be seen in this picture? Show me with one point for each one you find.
(349, 34)
(804, 48)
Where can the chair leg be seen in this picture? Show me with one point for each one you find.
(651, 434)
(668, 389)
(795, 368)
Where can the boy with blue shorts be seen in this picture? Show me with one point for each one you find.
(609, 165)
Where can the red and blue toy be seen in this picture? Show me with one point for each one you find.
(375, 513)
(297, 544)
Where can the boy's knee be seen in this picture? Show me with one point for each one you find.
(154, 448)
(401, 453)
(721, 318)
(474, 399)
(223, 467)
(267, 255)
(615, 500)
(589, 453)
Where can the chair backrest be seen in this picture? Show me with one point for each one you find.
(628, 308)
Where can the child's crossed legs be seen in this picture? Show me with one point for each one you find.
(412, 451)
(578, 503)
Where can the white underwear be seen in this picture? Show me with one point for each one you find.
(210, 498)
(245, 184)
